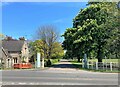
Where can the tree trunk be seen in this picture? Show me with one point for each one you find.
(78, 59)
(99, 54)
(116, 55)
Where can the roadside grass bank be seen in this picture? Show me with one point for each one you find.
(78, 65)
(54, 61)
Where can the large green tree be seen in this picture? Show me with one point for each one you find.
(112, 28)
(93, 28)
(68, 42)
(113, 25)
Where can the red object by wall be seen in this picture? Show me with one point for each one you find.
(22, 66)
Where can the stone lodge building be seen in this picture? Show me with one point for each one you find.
(14, 51)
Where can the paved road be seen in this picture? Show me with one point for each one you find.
(63, 73)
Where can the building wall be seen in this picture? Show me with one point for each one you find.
(4, 57)
(16, 56)
(6, 61)
(25, 52)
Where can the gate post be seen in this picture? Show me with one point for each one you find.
(38, 60)
(96, 65)
(111, 66)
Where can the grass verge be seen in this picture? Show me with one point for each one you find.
(78, 65)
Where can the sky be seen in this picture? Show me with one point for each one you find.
(24, 18)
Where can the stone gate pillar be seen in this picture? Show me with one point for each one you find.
(38, 60)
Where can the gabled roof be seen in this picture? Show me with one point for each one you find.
(5, 52)
(13, 45)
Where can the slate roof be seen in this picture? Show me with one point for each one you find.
(5, 52)
(13, 45)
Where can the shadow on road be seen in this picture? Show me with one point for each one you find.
(63, 66)
(66, 64)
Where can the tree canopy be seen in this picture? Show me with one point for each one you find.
(93, 31)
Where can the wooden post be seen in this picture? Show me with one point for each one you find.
(88, 65)
(96, 65)
(103, 65)
(111, 66)
(106, 66)
(92, 64)
(82, 63)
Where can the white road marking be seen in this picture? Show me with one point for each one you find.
(32, 83)
(22, 83)
(52, 83)
(13, 83)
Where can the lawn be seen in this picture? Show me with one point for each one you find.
(104, 60)
(53, 61)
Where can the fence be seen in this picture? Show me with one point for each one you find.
(1, 65)
(112, 66)
(22, 66)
